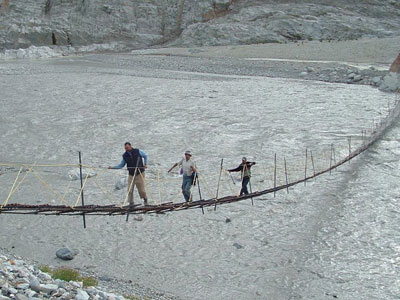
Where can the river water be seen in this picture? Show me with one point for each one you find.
(336, 237)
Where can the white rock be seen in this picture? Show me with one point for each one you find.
(75, 174)
(21, 53)
(48, 288)
(82, 295)
(44, 276)
(121, 183)
(76, 284)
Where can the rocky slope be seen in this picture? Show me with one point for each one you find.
(143, 23)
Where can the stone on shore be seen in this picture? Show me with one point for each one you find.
(82, 295)
(66, 253)
(390, 83)
(48, 288)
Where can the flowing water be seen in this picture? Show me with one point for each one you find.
(336, 237)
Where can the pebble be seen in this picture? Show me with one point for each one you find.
(237, 246)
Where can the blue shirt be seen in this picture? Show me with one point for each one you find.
(123, 162)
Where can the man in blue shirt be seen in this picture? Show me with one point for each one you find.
(136, 161)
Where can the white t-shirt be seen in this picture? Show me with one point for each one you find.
(186, 164)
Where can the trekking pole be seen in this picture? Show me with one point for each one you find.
(219, 180)
(232, 178)
(251, 192)
(198, 186)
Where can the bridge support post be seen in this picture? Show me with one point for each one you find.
(286, 175)
(305, 168)
(82, 196)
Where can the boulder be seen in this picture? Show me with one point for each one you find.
(390, 83)
(34, 285)
(66, 253)
(395, 67)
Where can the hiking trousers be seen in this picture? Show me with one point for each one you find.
(140, 185)
(186, 186)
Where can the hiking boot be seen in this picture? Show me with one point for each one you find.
(145, 202)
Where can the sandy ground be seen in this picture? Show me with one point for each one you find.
(367, 50)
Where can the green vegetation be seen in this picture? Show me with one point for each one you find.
(131, 297)
(45, 269)
(89, 281)
(68, 274)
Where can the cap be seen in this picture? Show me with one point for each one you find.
(188, 153)
(244, 158)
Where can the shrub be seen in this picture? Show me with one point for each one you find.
(66, 274)
(45, 269)
(88, 281)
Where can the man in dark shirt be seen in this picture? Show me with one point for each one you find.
(133, 158)
(244, 168)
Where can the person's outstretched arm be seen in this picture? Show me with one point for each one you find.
(238, 169)
(173, 167)
(120, 166)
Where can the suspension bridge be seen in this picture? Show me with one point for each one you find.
(309, 171)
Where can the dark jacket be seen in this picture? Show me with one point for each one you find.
(244, 168)
(134, 162)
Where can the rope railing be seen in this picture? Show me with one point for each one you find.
(280, 174)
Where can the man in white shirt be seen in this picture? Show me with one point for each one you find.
(189, 170)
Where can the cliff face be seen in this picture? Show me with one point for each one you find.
(143, 23)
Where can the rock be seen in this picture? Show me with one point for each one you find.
(44, 276)
(4, 297)
(227, 220)
(105, 278)
(48, 288)
(21, 297)
(351, 75)
(390, 83)
(395, 67)
(76, 284)
(310, 69)
(357, 78)
(376, 80)
(75, 173)
(66, 253)
(34, 284)
(237, 246)
(82, 295)
(31, 294)
(12, 290)
(302, 74)
(138, 218)
(121, 183)
(23, 286)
